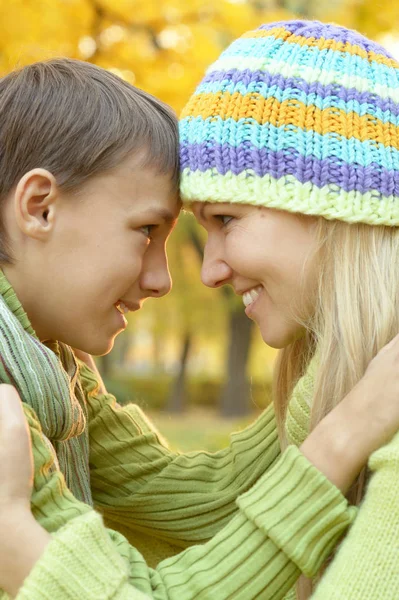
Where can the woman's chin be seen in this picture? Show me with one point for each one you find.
(279, 338)
(277, 344)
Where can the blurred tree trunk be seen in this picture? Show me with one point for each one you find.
(126, 344)
(118, 355)
(178, 395)
(157, 353)
(234, 399)
(235, 395)
(105, 366)
(121, 350)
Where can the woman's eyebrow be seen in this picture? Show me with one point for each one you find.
(201, 211)
(202, 214)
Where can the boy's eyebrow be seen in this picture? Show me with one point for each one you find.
(166, 215)
(162, 213)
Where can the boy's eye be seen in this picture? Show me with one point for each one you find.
(147, 230)
(224, 219)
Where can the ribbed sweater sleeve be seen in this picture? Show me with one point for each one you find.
(253, 557)
(137, 481)
(366, 567)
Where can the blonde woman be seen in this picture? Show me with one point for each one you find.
(290, 160)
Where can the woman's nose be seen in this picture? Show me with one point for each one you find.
(215, 271)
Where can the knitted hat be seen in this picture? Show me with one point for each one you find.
(300, 116)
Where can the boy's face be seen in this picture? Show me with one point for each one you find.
(104, 247)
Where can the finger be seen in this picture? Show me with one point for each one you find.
(11, 412)
(392, 343)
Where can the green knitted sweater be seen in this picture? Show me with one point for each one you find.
(255, 518)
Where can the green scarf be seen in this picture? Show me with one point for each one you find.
(48, 381)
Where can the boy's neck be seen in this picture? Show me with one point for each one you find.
(10, 297)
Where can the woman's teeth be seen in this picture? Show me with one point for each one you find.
(251, 295)
(123, 309)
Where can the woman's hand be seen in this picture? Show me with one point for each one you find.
(16, 463)
(375, 399)
(365, 420)
(22, 540)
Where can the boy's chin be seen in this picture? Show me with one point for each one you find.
(95, 347)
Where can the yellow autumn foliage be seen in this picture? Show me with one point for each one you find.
(163, 46)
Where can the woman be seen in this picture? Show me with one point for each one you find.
(290, 160)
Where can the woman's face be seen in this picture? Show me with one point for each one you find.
(267, 256)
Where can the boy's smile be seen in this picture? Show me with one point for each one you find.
(83, 260)
(123, 308)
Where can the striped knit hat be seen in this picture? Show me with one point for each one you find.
(300, 116)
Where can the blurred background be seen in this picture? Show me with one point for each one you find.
(192, 360)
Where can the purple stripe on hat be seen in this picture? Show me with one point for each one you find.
(248, 77)
(332, 170)
(316, 29)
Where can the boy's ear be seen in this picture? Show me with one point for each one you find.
(34, 203)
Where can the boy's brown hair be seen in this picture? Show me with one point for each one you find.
(77, 120)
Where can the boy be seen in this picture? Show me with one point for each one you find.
(88, 192)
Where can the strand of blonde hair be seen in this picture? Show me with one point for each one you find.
(356, 314)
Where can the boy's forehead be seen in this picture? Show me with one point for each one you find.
(179, 205)
(175, 204)
(167, 212)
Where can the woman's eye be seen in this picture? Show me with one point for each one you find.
(224, 219)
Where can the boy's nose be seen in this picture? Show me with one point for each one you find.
(215, 272)
(155, 278)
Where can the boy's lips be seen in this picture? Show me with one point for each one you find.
(125, 306)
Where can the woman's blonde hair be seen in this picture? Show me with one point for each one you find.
(356, 314)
